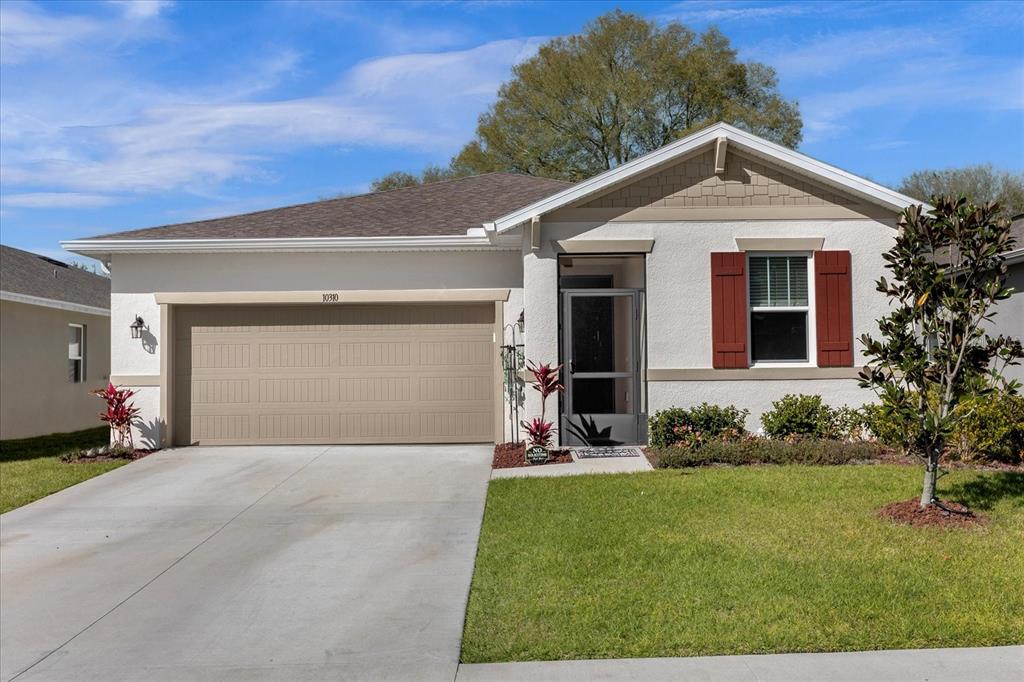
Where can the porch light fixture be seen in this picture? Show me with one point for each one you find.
(521, 322)
(136, 327)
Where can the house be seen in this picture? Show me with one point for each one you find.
(720, 268)
(1009, 319)
(54, 344)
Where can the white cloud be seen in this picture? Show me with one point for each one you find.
(98, 131)
(927, 85)
(722, 11)
(57, 200)
(26, 32)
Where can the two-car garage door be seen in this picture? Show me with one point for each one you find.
(334, 374)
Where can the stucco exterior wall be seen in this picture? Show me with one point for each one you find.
(136, 278)
(679, 300)
(755, 396)
(36, 395)
(1009, 319)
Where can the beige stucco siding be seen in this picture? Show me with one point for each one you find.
(1009, 318)
(679, 299)
(36, 395)
(136, 278)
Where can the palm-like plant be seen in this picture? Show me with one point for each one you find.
(547, 382)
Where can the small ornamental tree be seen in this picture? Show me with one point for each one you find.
(948, 273)
(546, 382)
(120, 413)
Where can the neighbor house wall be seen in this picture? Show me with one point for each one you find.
(1009, 318)
(36, 395)
(136, 278)
(679, 301)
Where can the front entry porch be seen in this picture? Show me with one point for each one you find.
(601, 350)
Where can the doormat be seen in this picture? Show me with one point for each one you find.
(606, 451)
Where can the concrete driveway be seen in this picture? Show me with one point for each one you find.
(247, 563)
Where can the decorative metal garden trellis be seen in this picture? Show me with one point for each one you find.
(512, 363)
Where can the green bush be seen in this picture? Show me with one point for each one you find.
(754, 450)
(889, 427)
(990, 427)
(696, 425)
(799, 415)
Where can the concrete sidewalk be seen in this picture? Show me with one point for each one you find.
(995, 664)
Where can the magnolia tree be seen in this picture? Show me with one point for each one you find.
(545, 382)
(948, 273)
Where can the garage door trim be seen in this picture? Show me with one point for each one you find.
(167, 336)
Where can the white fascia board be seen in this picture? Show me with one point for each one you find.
(15, 297)
(787, 158)
(481, 242)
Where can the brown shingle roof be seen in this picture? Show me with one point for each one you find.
(449, 207)
(27, 273)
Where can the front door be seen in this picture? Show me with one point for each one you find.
(601, 358)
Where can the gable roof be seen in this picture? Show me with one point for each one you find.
(30, 275)
(737, 139)
(449, 207)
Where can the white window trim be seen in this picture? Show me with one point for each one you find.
(81, 353)
(812, 345)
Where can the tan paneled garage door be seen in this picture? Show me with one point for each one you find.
(334, 374)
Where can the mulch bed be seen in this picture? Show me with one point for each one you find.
(137, 454)
(511, 455)
(909, 512)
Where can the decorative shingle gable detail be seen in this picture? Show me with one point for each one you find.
(693, 183)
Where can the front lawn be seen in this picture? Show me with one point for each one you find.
(30, 468)
(740, 560)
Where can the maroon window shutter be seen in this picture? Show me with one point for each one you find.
(728, 310)
(833, 308)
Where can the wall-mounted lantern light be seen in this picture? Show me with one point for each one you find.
(521, 322)
(137, 327)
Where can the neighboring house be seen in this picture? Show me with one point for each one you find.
(54, 345)
(1009, 319)
(720, 268)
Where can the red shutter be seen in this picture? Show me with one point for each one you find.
(833, 308)
(728, 310)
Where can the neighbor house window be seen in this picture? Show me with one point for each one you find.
(778, 308)
(76, 353)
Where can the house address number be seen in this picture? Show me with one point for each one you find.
(331, 297)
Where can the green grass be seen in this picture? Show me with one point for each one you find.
(30, 468)
(740, 560)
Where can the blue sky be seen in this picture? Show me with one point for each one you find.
(115, 115)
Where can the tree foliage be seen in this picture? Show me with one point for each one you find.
(400, 179)
(622, 88)
(947, 274)
(983, 183)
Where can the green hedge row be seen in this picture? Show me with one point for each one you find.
(767, 451)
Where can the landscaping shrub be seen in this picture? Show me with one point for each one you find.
(694, 426)
(991, 427)
(799, 415)
(889, 426)
(754, 450)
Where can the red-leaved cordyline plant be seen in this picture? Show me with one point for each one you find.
(546, 382)
(120, 413)
(539, 431)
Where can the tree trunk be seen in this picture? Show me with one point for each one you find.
(931, 475)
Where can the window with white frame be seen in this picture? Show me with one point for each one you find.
(76, 353)
(779, 308)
